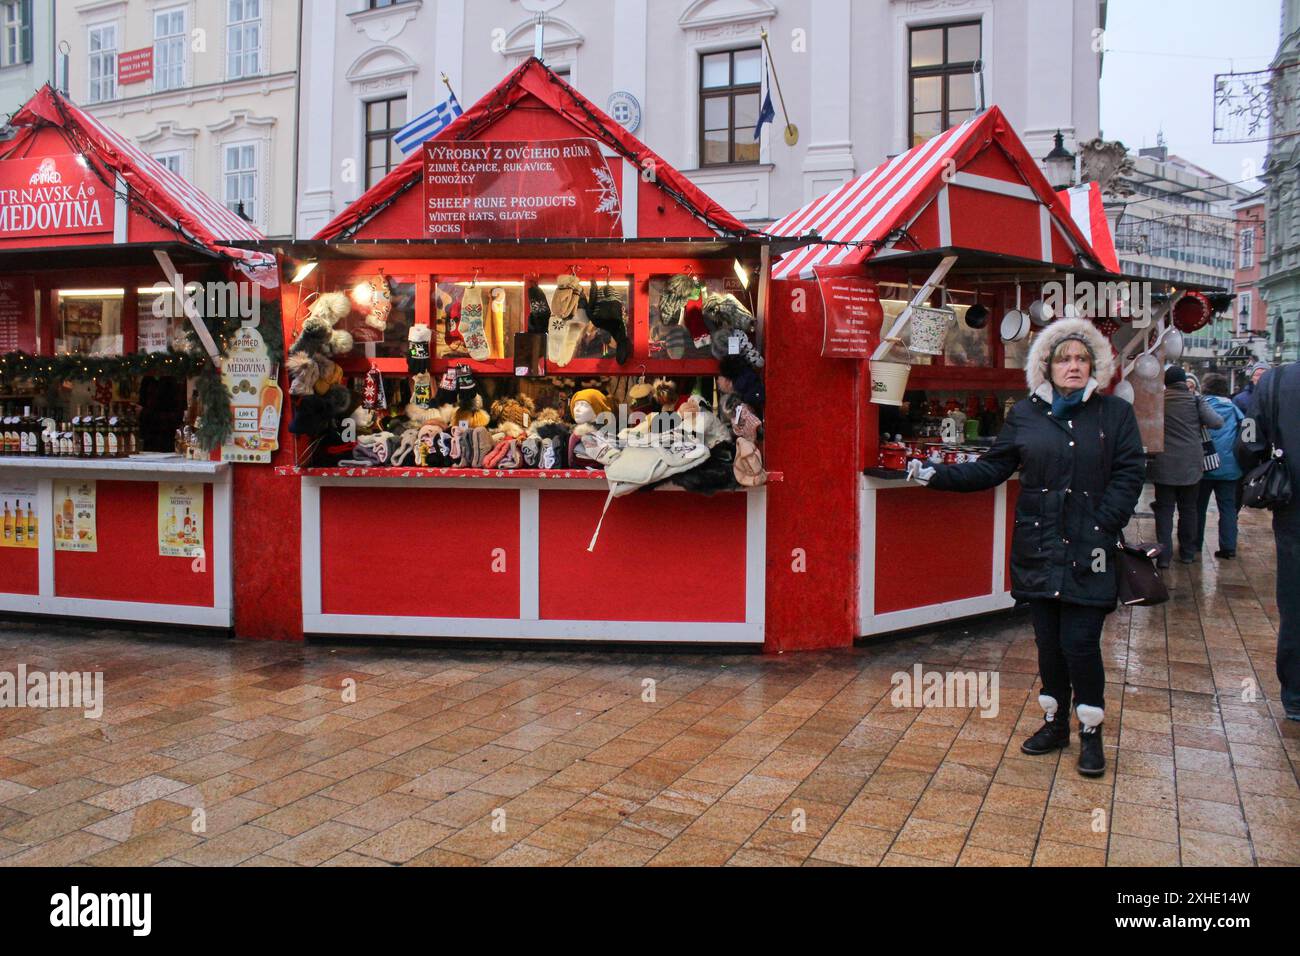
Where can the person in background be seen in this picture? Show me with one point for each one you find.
(1193, 384)
(1253, 374)
(1079, 454)
(1283, 429)
(1222, 481)
(1176, 472)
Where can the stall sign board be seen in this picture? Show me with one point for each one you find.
(852, 316)
(19, 516)
(135, 66)
(255, 399)
(180, 520)
(17, 314)
(515, 189)
(74, 516)
(52, 196)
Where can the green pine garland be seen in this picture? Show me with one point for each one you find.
(47, 369)
(217, 420)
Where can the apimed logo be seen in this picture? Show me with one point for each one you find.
(46, 175)
(94, 910)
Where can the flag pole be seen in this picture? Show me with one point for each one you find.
(447, 83)
(791, 131)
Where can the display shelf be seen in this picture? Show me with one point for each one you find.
(167, 466)
(475, 474)
(359, 365)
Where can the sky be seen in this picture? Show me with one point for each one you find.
(1159, 69)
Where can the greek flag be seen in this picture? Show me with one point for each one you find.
(410, 136)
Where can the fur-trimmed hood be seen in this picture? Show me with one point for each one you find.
(1037, 373)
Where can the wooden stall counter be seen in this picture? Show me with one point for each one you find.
(133, 539)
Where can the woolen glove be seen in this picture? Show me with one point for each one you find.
(919, 471)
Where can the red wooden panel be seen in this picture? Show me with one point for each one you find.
(932, 547)
(1013, 495)
(661, 556)
(127, 566)
(420, 552)
(994, 164)
(19, 571)
(995, 223)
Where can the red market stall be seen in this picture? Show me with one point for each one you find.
(418, 318)
(907, 315)
(100, 517)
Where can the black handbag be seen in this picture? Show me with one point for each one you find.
(1139, 580)
(1268, 485)
(1140, 584)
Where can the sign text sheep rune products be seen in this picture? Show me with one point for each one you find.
(559, 188)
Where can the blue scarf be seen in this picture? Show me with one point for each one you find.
(1064, 406)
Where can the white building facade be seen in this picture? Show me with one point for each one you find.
(207, 88)
(862, 80)
(27, 53)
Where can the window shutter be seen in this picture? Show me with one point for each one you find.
(25, 30)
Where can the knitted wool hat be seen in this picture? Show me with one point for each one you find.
(593, 397)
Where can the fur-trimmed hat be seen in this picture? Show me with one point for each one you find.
(1046, 342)
(519, 410)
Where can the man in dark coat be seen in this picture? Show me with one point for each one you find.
(1081, 464)
(1253, 375)
(1177, 470)
(1278, 424)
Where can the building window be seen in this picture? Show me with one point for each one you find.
(731, 84)
(102, 43)
(383, 120)
(941, 77)
(240, 172)
(243, 38)
(171, 161)
(1247, 248)
(380, 4)
(169, 49)
(16, 35)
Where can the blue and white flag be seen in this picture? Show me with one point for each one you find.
(768, 113)
(410, 136)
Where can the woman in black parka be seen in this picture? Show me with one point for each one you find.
(1082, 467)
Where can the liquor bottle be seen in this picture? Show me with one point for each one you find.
(269, 415)
(10, 434)
(49, 436)
(8, 523)
(31, 523)
(20, 526)
(27, 438)
(101, 433)
(188, 525)
(132, 431)
(113, 435)
(65, 440)
(82, 436)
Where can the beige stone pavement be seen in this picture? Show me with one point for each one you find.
(213, 752)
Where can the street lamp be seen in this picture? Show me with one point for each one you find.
(1059, 165)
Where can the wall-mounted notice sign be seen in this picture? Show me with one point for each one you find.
(17, 313)
(558, 188)
(135, 66)
(853, 316)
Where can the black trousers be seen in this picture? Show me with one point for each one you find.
(1286, 530)
(1069, 652)
(1186, 498)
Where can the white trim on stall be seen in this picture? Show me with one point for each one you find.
(870, 623)
(529, 625)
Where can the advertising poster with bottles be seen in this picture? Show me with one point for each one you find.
(255, 399)
(180, 520)
(19, 517)
(74, 516)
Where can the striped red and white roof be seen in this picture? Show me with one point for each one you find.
(859, 217)
(193, 214)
